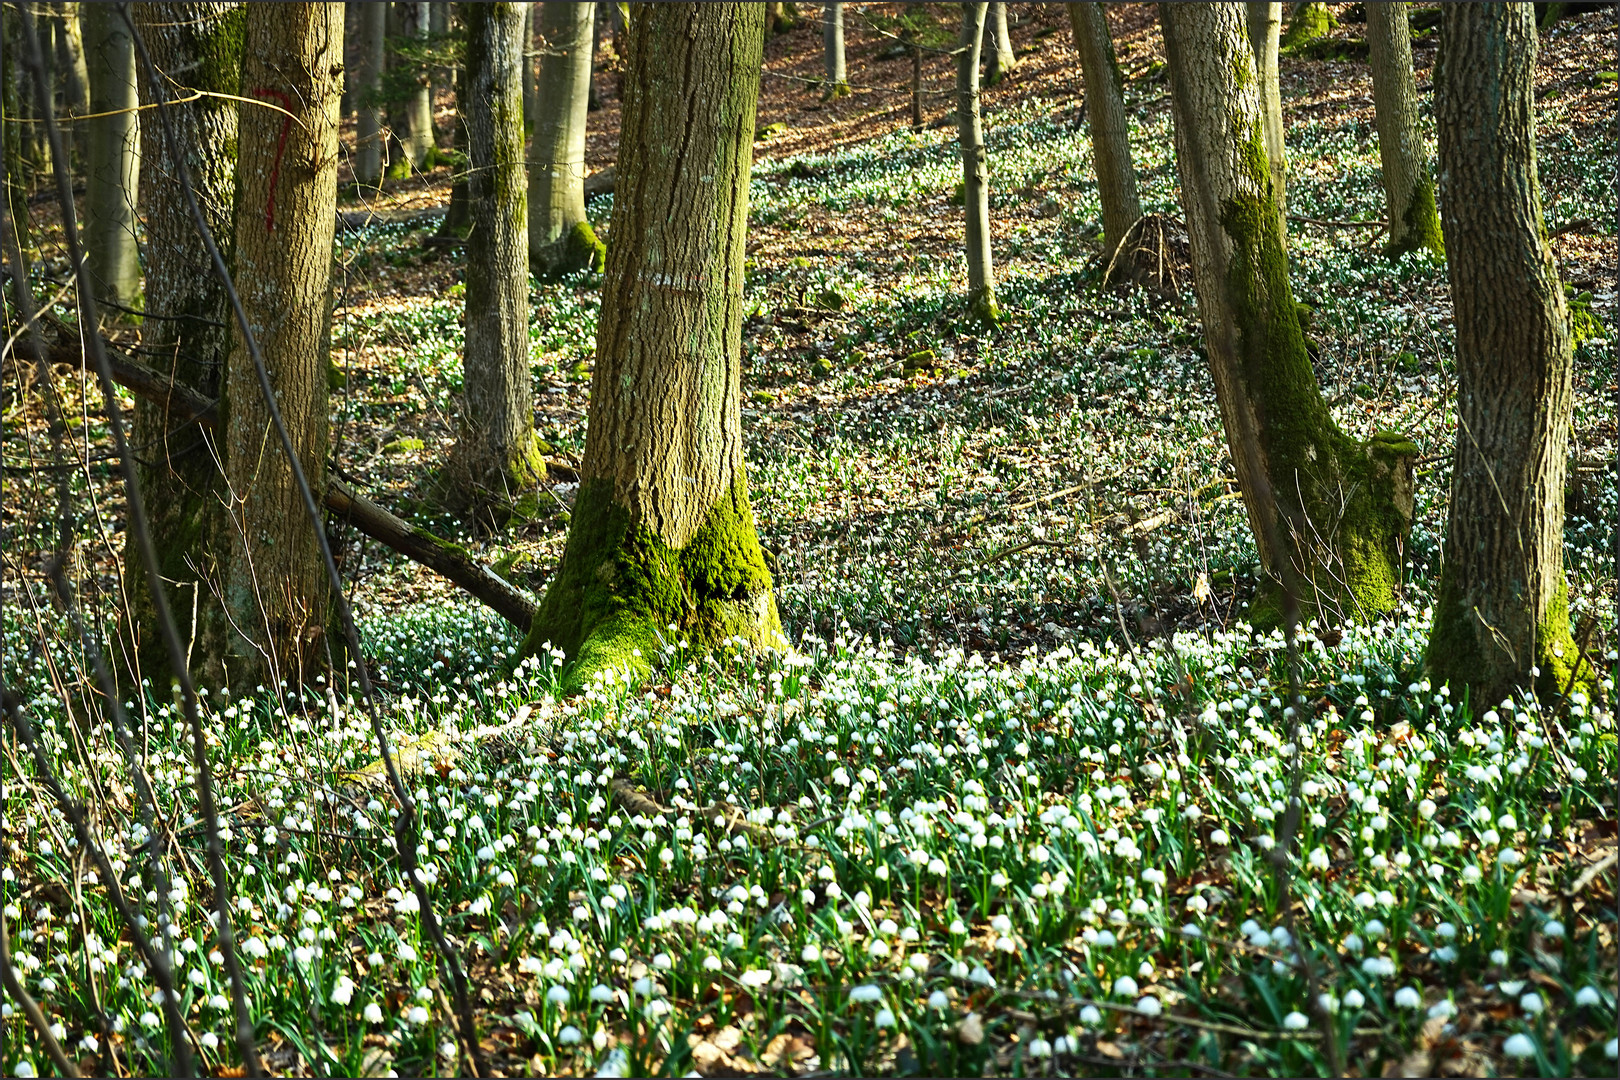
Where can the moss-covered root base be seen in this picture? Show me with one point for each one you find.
(621, 595)
(491, 495)
(1464, 654)
(1421, 226)
(577, 250)
(1307, 23)
(984, 310)
(834, 91)
(1349, 565)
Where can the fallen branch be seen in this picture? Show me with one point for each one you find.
(1331, 224)
(449, 560)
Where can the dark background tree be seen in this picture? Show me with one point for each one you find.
(1105, 117)
(982, 305)
(1503, 610)
(1414, 221)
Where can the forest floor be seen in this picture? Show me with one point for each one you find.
(1012, 794)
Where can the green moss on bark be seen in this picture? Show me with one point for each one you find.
(1422, 220)
(577, 249)
(984, 309)
(1307, 23)
(620, 588)
(1355, 498)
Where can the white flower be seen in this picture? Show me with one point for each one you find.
(1499, 957)
(1553, 929)
(373, 1013)
(1220, 838)
(1611, 1049)
(1124, 986)
(1509, 857)
(1531, 1003)
(1446, 930)
(938, 1000)
(864, 993)
(755, 977)
(1296, 1021)
(1442, 1010)
(26, 1068)
(417, 1015)
(569, 1035)
(1588, 995)
(1090, 1017)
(1407, 997)
(601, 993)
(1519, 1046)
(810, 954)
(883, 1019)
(1149, 1006)
(558, 995)
(406, 952)
(1354, 999)
(1039, 1048)
(343, 990)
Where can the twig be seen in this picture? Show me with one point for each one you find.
(1591, 874)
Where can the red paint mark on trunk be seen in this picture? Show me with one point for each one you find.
(281, 149)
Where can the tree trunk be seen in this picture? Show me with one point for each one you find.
(916, 83)
(198, 47)
(276, 587)
(531, 104)
(1306, 23)
(662, 534)
(439, 76)
(368, 133)
(70, 62)
(832, 45)
(495, 456)
(1330, 514)
(1414, 221)
(13, 91)
(112, 158)
(560, 239)
(416, 112)
(1502, 619)
(1110, 130)
(778, 18)
(1002, 58)
(1265, 22)
(975, 170)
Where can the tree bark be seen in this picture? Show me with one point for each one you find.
(832, 49)
(1306, 23)
(531, 47)
(495, 458)
(112, 159)
(1414, 220)
(1265, 23)
(560, 239)
(368, 150)
(197, 47)
(416, 111)
(70, 61)
(1329, 513)
(276, 587)
(1110, 129)
(662, 534)
(13, 92)
(1002, 57)
(1502, 619)
(975, 170)
(439, 76)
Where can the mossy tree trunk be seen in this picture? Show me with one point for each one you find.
(1306, 23)
(1503, 611)
(560, 239)
(198, 47)
(982, 304)
(112, 159)
(286, 201)
(1110, 128)
(1265, 24)
(832, 49)
(1414, 220)
(1328, 512)
(416, 110)
(368, 132)
(1002, 58)
(662, 534)
(495, 457)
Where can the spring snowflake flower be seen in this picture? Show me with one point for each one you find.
(1125, 986)
(1553, 929)
(569, 1035)
(1149, 1006)
(1588, 996)
(373, 1013)
(1407, 997)
(1519, 1046)
(939, 1001)
(1354, 999)
(883, 1019)
(1296, 1021)
(1532, 1004)
(1090, 1016)
(864, 993)
(1039, 1048)
(343, 990)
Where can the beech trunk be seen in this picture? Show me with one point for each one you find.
(1265, 26)
(982, 304)
(832, 45)
(286, 200)
(112, 159)
(1329, 513)
(368, 149)
(495, 456)
(560, 239)
(1110, 129)
(1502, 619)
(1414, 220)
(662, 534)
(197, 47)
(416, 111)
(1002, 59)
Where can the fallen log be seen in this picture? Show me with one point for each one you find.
(451, 561)
(599, 183)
